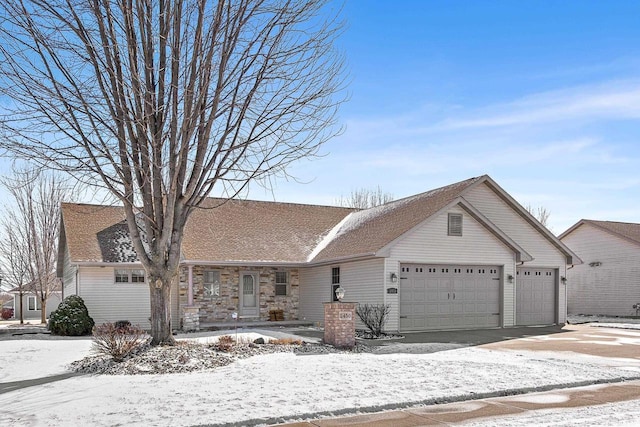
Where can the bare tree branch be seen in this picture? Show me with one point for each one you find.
(162, 103)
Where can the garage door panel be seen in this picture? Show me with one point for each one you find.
(535, 296)
(449, 297)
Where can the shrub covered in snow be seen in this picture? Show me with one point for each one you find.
(118, 340)
(71, 318)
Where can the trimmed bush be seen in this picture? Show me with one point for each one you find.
(118, 340)
(71, 318)
(6, 313)
(374, 317)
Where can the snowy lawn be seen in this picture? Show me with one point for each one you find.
(272, 387)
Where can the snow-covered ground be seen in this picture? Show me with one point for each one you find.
(276, 386)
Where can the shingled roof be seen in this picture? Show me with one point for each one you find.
(255, 232)
(366, 232)
(223, 231)
(626, 230)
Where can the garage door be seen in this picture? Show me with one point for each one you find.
(535, 296)
(436, 297)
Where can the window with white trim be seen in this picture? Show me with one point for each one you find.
(34, 303)
(211, 283)
(129, 275)
(454, 224)
(335, 282)
(282, 283)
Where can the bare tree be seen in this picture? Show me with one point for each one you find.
(365, 198)
(31, 239)
(14, 256)
(540, 213)
(163, 102)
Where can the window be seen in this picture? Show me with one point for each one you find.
(335, 282)
(129, 275)
(33, 303)
(211, 281)
(282, 281)
(455, 224)
(335, 275)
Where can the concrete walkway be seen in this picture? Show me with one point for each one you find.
(453, 413)
(615, 344)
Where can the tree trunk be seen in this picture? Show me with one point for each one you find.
(160, 292)
(43, 311)
(21, 308)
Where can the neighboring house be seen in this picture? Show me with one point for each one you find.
(462, 256)
(31, 303)
(608, 282)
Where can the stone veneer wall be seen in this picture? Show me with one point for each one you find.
(219, 309)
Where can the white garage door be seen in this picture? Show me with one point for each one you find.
(436, 297)
(535, 296)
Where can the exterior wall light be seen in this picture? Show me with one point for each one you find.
(510, 278)
(563, 280)
(340, 293)
(394, 277)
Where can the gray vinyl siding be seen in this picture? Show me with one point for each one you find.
(611, 288)
(430, 244)
(108, 301)
(516, 227)
(545, 254)
(363, 282)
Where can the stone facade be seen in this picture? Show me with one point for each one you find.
(219, 308)
(340, 324)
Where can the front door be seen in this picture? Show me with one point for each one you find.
(248, 295)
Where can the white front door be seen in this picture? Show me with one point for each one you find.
(536, 293)
(248, 295)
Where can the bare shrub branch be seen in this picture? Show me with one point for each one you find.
(118, 341)
(374, 317)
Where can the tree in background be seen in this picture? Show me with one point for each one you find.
(163, 102)
(31, 227)
(540, 213)
(365, 198)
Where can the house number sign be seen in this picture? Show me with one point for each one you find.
(345, 315)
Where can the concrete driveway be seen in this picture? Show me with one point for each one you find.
(619, 346)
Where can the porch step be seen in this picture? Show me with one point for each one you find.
(217, 326)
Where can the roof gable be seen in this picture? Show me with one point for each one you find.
(625, 230)
(367, 231)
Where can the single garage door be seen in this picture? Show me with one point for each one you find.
(535, 296)
(436, 297)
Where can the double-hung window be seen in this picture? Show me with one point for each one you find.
(33, 303)
(335, 282)
(282, 283)
(211, 283)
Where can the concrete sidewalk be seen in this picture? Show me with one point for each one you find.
(453, 413)
(619, 345)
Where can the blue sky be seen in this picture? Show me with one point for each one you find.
(544, 96)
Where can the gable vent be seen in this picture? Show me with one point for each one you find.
(455, 224)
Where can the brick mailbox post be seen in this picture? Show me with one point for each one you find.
(340, 324)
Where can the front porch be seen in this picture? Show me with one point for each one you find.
(221, 297)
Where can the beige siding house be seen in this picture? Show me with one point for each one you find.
(462, 256)
(608, 282)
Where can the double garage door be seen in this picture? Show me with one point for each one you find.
(449, 297)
